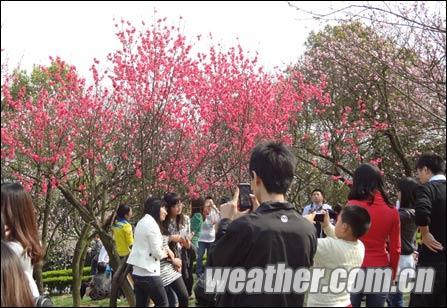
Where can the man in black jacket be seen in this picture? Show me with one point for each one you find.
(272, 233)
(430, 217)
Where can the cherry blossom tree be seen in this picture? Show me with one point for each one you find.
(372, 116)
(157, 117)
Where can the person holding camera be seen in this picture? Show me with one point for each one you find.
(317, 206)
(255, 239)
(341, 248)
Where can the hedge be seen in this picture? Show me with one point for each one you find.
(62, 279)
(66, 272)
(61, 282)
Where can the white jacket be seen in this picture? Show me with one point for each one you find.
(25, 261)
(147, 247)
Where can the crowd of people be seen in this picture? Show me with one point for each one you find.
(167, 247)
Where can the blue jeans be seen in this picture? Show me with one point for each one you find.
(372, 300)
(395, 300)
(203, 246)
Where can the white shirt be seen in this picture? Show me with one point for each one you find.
(438, 177)
(333, 253)
(25, 260)
(311, 207)
(103, 255)
(208, 232)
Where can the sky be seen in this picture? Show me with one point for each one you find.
(79, 32)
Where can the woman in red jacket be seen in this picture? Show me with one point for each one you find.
(368, 192)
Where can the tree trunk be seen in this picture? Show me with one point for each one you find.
(397, 149)
(78, 264)
(118, 276)
(37, 275)
(107, 241)
(38, 268)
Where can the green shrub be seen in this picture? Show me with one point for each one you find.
(62, 279)
(65, 272)
(61, 282)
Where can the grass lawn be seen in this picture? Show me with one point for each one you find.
(67, 301)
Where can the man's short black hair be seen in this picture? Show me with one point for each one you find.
(317, 189)
(357, 218)
(274, 163)
(432, 161)
(209, 197)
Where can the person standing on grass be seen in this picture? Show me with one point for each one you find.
(368, 191)
(430, 217)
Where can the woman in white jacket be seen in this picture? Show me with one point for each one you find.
(147, 251)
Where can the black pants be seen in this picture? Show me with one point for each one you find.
(94, 266)
(149, 287)
(84, 286)
(188, 258)
(437, 298)
(179, 288)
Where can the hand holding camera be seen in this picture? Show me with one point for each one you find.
(319, 216)
(242, 203)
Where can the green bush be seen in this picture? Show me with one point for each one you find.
(61, 282)
(61, 279)
(66, 272)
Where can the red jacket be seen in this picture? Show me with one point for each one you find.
(385, 225)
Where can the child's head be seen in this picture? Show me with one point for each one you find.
(124, 212)
(353, 221)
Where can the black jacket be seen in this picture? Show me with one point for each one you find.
(408, 230)
(274, 233)
(430, 211)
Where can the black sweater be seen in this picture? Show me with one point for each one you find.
(275, 233)
(430, 211)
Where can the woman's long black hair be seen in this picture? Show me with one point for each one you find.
(152, 207)
(367, 180)
(407, 187)
(121, 211)
(171, 199)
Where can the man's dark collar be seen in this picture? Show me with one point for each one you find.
(274, 206)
